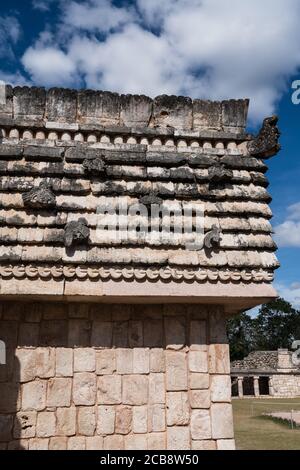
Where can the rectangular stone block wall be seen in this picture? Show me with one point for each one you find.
(95, 376)
(287, 386)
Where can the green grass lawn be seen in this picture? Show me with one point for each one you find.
(254, 432)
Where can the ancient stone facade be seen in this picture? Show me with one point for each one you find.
(119, 341)
(266, 373)
(92, 376)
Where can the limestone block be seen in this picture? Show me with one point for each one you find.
(234, 115)
(200, 424)
(217, 327)
(79, 333)
(113, 442)
(199, 381)
(109, 390)
(123, 420)
(94, 443)
(198, 361)
(58, 443)
(222, 421)
(206, 115)
(153, 333)
(178, 410)
(140, 419)
(141, 360)
(176, 371)
(178, 438)
(226, 444)
(29, 334)
(34, 395)
(220, 388)
(101, 107)
(38, 444)
(157, 391)
(29, 102)
(172, 111)
(135, 390)
(76, 443)
(26, 364)
(53, 332)
(157, 418)
(136, 442)
(200, 399)
(175, 332)
(156, 441)
(59, 392)
(106, 420)
(105, 362)
(204, 445)
(218, 359)
(86, 420)
(120, 334)
(66, 421)
(124, 358)
(61, 105)
(157, 360)
(135, 110)
(25, 424)
(46, 424)
(84, 360)
(6, 106)
(64, 362)
(84, 388)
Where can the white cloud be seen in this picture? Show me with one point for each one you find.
(9, 34)
(290, 293)
(203, 48)
(287, 234)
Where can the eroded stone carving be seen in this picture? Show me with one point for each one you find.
(41, 197)
(218, 173)
(213, 238)
(76, 231)
(149, 199)
(266, 143)
(94, 166)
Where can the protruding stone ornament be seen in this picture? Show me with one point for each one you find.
(149, 199)
(41, 197)
(212, 239)
(94, 166)
(76, 231)
(266, 143)
(219, 174)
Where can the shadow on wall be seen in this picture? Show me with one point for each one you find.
(10, 419)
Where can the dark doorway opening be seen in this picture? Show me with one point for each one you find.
(234, 387)
(248, 386)
(264, 388)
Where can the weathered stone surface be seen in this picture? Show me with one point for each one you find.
(157, 360)
(198, 361)
(29, 102)
(204, 445)
(61, 105)
(123, 420)
(46, 423)
(34, 395)
(206, 115)
(76, 232)
(200, 424)
(135, 390)
(157, 388)
(106, 420)
(64, 362)
(265, 145)
(221, 421)
(141, 360)
(226, 444)
(114, 442)
(84, 388)
(136, 442)
(58, 443)
(140, 419)
(41, 197)
(199, 381)
(86, 420)
(105, 362)
(6, 425)
(135, 110)
(76, 443)
(220, 388)
(157, 418)
(178, 438)
(175, 332)
(172, 111)
(66, 421)
(178, 410)
(25, 424)
(156, 441)
(38, 444)
(110, 389)
(59, 392)
(200, 399)
(176, 371)
(94, 443)
(124, 360)
(84, 360)
(218, 356)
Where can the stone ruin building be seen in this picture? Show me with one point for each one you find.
(266, 373)
(119, 342)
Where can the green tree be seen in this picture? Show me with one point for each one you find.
(240, 335)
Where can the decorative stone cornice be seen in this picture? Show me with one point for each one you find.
(266, 143)
(167, 273)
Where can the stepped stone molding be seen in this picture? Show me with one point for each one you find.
(34, 271)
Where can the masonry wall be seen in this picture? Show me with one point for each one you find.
(285, 385)
(95, 376)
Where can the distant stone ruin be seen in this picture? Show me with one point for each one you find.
(113, 324)
(266, 373)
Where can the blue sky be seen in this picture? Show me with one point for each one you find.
(203, 48)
